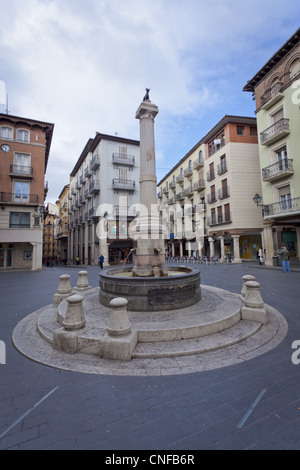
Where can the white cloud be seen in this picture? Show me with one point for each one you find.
(85, 65)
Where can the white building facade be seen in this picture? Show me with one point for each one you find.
(103, 196)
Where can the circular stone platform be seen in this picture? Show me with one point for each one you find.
(206, 336)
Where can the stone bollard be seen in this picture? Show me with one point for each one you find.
(119, 341)
(246, 279)
(74, 318)
(254, 307)
(82, 281)
(119, 324)
(64, 289)
(66, 338)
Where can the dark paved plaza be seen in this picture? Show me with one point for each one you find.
(46, 408)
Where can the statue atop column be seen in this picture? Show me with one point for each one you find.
(146, 97)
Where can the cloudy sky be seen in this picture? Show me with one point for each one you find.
(84, 66)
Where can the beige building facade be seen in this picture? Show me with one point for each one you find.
(62, 226)
(277, 94)
(213, 188)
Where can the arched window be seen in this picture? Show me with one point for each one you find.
(23, 135)
(295, 68)
(6, 132)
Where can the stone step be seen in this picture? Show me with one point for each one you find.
(232, 335)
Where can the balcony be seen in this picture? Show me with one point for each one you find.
(219, 219)
(199, 185)
(172, 185)
(277, 131)
(188, 171)
(95, 163)
(87, 194)
(210, 175)
(180, 179)
(281, 208)
(271, 96)
(125, 185)
(94, 187)
(46, 187)
(165, 190)
(179, 196)
(188, 191)
(81, 179)
(21, 171)
(171, 201)
(14, 198)
(92, 213)
(211, 198)
(87, 172)
(73, 191)
(198, 163)
(223, 193)
(278, 170)
(121, 159)
(222, 168)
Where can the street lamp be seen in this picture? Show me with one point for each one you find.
(257, 198)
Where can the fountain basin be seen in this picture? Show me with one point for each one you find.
(180, 289)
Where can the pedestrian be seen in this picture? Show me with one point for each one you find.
(77, 260)
(101, 261)
(261, 256)
(285, 259)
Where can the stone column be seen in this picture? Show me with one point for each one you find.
(148, 233)
(180, 249)
(173, 248)
(222, 246)
(268, 243)
(236, 249)
(211, 247)
(298, 241)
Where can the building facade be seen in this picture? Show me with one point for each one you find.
(62, 228)
(277, 95)
(103, 196)
(214, 185)
(24, 152)
(49, 236)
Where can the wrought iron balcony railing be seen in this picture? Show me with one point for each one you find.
(21, 170)
(121, 159)
(278, 170)
(17, 198)
(279, 129)
(127, 185)
(271, 96)
(282, 207)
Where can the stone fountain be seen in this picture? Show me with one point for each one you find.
(147, 285)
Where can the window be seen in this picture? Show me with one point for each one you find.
(253, 131)
(22, 164)
(295, 68)
(216, 143)
(240, 130)
(23, 135)
(6, 132)
(21, 191)
(277, 115)
(19, 219)
(285, 197)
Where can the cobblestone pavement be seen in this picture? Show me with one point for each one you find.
(250, 405)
